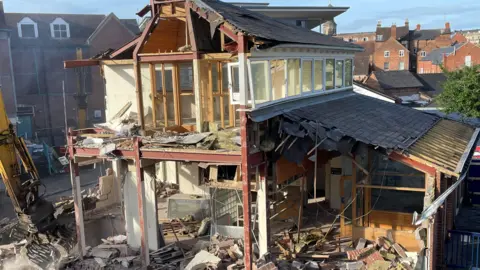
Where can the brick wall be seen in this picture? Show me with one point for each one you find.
(394, 47)
(457, 60)
(428, 67)
(357, 37)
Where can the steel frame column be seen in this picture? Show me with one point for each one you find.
(77, 196)
(247, 226)
(145, 254)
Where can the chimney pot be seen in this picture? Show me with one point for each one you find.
(407, 23)
(447, 27)
(418, 27)
(379, 24)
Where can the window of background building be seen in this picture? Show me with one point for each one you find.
(329, 73)
(27, 28)
(468, 60)
(379, 37)
(401, 53)
(60, 31)
(386, 53)
(386, 66)
(365, 39)
(401, 66)
(423, 53)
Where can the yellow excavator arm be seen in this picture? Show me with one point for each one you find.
(22, 185)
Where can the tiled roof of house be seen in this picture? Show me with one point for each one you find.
(81, 27)
(432, 82)
(436, 56)
(131, 25)
(264, 27)
(386, 32)
(365, 119)
(362, 59)
(397, 79)
(427, 34)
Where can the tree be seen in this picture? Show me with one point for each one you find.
(461, 92)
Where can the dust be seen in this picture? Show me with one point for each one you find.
(18, 263)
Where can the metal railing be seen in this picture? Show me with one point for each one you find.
(462, 250)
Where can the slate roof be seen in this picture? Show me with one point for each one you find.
(362, 59)
(436, 56)
(81, 27)
(131, 25)
(369, 120)
(427, 34)
(397, 79)
(264, 27)
(432, 82)
(402, 32)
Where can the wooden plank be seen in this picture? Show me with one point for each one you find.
(405, 238)
(391, 220)
(220, 89)
(153, 86)
(354, 193)
(368, 193)
(300, 206)
(231, 115)
(164, 96)
(393, 188)
(213, 175)
(382, 173)
(191, 34)
(342, 205)
(210, 110)
(176, 94)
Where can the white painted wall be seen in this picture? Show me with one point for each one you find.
(120, 89)
(185, 174)
(345, 164)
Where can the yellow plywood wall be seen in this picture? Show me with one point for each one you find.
(404, 238)
(391, 220)
(168, 36)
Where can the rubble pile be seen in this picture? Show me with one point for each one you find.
(382, 254)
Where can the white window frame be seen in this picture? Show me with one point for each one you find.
(401, 53)
(386, 54)
(285, 59)
(423, 53)
(421, 70)
(468, 60)
(365, 39)
(27, 21)
(379, 37)
(234, 97)
(59, 21)
(400, 65)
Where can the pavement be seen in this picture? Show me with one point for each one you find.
(56, 186)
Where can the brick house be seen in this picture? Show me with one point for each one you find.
(390, 54)
(399, 84)
(357, 37)
(364, 61)
(452, 58)
(33, 49)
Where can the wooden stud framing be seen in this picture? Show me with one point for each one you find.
(393, 188)
(153, 85)
(220, 89)
(164, 97)
(342, 204)
(210, 109)
(368, 191)
(354, 193)
(176, 95)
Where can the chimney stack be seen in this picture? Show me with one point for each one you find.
(379, 24)
(394, 31)
(418, 27)
(407, 24)
(447, 27)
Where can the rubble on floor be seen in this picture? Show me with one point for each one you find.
(310, 253)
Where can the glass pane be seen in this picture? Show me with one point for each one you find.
(293, 66)
(318, 84)
(339, 74)
(56, 34)
(56, 27)
(63, 34)
(329, 73)
(186, 76)
(28, 30)
(63, 27)
(260, 81)
(168, 80)
(277, 73)
(214, 77)
(348, 72)
(307, 76)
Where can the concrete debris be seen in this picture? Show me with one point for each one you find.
(202, 260)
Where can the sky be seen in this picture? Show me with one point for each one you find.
(361, 17)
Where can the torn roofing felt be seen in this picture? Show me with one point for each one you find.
(264, 27)
(339, 123)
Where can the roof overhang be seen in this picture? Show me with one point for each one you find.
(80, 63)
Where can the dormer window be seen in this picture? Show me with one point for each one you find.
(59, 29)
(27, 28)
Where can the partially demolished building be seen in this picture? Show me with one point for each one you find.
(259, 119)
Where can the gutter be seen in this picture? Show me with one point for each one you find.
(432, 209)
(295, 45)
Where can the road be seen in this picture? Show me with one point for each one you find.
(56, 186)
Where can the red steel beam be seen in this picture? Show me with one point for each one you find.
(412, 163)
(228, 32)
(190, 156)
(144, 257)
(125, 47)
(80, 63)
(247, 225)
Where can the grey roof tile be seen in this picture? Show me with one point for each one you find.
(397, 79)
(368, 120)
